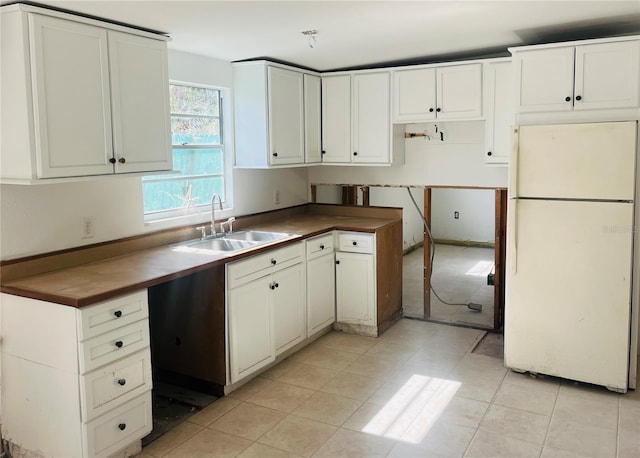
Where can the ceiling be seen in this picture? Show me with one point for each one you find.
(358, 34)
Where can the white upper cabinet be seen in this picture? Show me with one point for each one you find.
(277, 115)
(447, 92)
(286, 116)
(356, 120)
(312, 129)
(336, 119)
(591, 76)
(80, 98)
(498, 93)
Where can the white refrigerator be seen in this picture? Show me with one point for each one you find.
(570, 242)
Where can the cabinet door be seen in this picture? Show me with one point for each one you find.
(286, 125)
(336, 118)
(140, 101)
(72, 111)
(371, 118)
(312, 134)
(321, 297)
(607, 75)
(250, 327)
(544, 80)
(355, 288)
(414, 95)
(288, 307)
(459, 91)
(499, 111)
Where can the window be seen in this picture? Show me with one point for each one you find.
(198, 153)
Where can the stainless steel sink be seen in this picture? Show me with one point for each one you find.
(257, 236)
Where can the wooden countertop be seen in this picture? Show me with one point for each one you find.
(101, 280)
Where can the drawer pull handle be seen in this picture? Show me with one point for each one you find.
(274, 262)
(355, 243)
(118, 313)
(322, 247)
(122, 426)
(119, 343)
(121, 382)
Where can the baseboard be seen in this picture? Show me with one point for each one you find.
(467, 243)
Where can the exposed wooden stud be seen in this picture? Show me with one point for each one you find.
(314, 193)
(365, 196)
(350, 195)
(500, 257)
(427, 255)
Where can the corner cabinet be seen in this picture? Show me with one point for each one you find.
(81, 98)
(356, 120)
(277, 113)
(578, 76)
(82, 387)
(443, 92)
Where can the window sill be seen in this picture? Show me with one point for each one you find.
(197, 217)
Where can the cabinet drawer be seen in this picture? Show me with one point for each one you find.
(356, 242)
(317, 246)
(120, 427)
(241, 272)
(105, 316)
(109, 386)
(113, 345)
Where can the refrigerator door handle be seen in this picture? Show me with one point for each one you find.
(513, 167)
(514, 237)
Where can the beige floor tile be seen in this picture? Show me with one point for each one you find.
(550, 452)
(630, 416)
(250, 388)
(352, 386)
(307, 375)
(582, 390)
(257, 450)
(281, 396)
(628, 443)
(592, 411)
(276, 371)
(537, 381)
(214, 411)
(486, 444)
(210, 443)
(142, 455)
(298, 435)
(580, 438)
(365, 414)
(439, 441)
(436, 369)
(531, 399)
(167, 442)
(351, 343)
(399, 352)
(464, 412)
(371, 366)
(327, 408)
(347, 443)
(477, 388)
(328, 358)
(516, 424)
(248, 421)
(389, 390)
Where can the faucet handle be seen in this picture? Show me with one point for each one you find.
(230, 223)
(203, 231)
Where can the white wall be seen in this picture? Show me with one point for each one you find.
(412, 225)
(476, 211)
(43, 218)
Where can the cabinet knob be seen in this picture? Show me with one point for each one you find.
(122, 160)
(567, 99)
(274, 262)
(322, 247)
(489, 153)
(121, 382)
(272, 286)
(275, 154)
(578, 97)
(112, 160)
(122, 426)
(118, 313)
(337, 261)
(323, 152)
(354, 243)
(276, 284)
(438, 110)
(430, 110)
(355, 153)
(119, 343)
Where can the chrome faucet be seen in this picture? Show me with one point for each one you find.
(229, 224)
(213, 212)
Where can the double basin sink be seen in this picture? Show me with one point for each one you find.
(232, 242)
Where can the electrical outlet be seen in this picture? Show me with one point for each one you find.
(88, 229)
(276, 197)
(456, 215)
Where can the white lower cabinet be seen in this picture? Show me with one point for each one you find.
(355, 279)
(76, 381)
(321, 283)
(265, 303)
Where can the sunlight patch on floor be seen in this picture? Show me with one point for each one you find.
(480, 269)
(414, 409)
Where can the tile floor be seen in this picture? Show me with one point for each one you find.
(416, 391)
(459, 276)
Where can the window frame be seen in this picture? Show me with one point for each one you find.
(197, 212)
